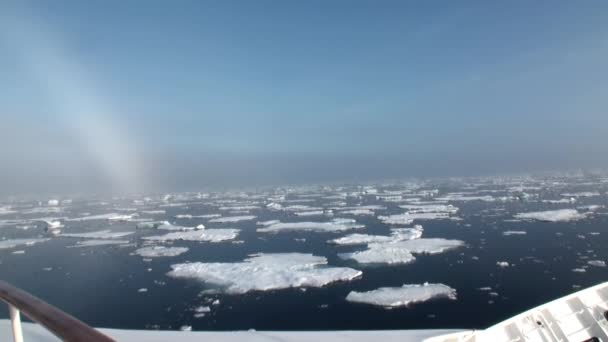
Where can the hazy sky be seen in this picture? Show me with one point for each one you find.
(184, 94)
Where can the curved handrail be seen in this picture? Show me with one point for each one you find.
(61, 324)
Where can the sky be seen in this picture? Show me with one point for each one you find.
(185, 95)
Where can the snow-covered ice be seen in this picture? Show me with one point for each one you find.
(401, 252)
(231, 219)
(160, 251)
(561, 215)
(402, 296)
(513, 232)
(397, 234)
(207, 235)
(338, 224)
(100, 234)
(262, 272)
(100, 242)
(12, 243)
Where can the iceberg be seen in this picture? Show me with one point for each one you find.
(232, 219)
(207, 235)
(338, 224)
(405, 295)
(561, 215)
(263, 272)
(160, 251)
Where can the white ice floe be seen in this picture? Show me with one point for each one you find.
(207, 235)
(502, 264)
(597, 263)
(466, 197)
(397, 234)
(310, 213)
(579, 270)
(6, 244)
(232, 219)
(561, 215)
(188, 216)
(274, 206)
(408, 218)
(400, 252)
(514, 232)
(109, 217)
(160, 251)
(262, 272)
(430, 208)
(581, 194)
(402, 296)
(7, 211)
(101, 234)
(166, 225)
(366, 212)
(100, 242)
(338, 224)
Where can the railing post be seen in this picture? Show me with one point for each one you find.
(16, 323)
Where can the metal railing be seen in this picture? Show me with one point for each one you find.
(54, 320)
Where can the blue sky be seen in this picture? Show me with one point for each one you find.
(302, 90)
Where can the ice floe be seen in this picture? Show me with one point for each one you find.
(400, 252)
(207, 235)
(402, 296)
(397, 234)
(338, 224)
(597, 263)
(262, 272)
(561, 215)
(100, 242)
(160, 251)
(101, 234)
(6, 244)
(514, 232)
(232, 219)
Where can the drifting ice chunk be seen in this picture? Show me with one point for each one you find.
(513, 232)
(400, 252)
(7, 211)
(91, 243)
(380, 254)
(207, 235)
(335, 225)
(262, 272)
(160, 251)
(188, 216)
(110, 217)
(101, 234)
(358, 212)
(233, 219)
(561, 215)
(408, 218)
(6, 244)
(402, 296)
(502, 264)
(597, 263)
(398, 234)
(310, 213)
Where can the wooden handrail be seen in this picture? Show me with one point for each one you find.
(61, 324)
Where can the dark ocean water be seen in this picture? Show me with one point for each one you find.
(100, 284)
